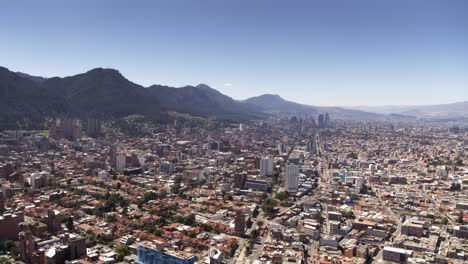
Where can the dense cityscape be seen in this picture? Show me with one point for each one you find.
(234, 132)
(297, 189)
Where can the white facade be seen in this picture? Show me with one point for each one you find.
(266, 167)
(292, 177)
(102, 175)
(38, 179)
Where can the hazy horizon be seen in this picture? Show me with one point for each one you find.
(334, 53)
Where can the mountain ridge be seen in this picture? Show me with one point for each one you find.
(106, 93)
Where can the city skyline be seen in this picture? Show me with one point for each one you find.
(331, 54)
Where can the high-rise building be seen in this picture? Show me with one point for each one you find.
(9, 227)
(26, 246)
(327, 120)
(76, 246)
(282, 148)
(114, 148)
(120, 161)
(239, 223)
(239, 180)
(292, 178)
(312, 145)
(2, 203)
(266, 166)
(76, 132)
(321, 121)
(69, 129)
(39, 179)
(334, 227)
(92, 127)
(66, 128)
(53, 221)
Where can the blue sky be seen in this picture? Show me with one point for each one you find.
(329, 52)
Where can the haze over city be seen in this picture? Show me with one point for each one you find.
(342, 53)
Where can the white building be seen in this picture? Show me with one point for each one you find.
(292, 178)
(38, 179)
(102, 175)
(266, 167)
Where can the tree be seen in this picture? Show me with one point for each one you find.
(445, 220)
(260, 223)
(122, 251)
(248, 251)
(69, 223)
(175, 188)
(281, 196)
(269, 205)
(125, 210)
(5, 260)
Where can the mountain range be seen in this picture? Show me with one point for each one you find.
(26, 100)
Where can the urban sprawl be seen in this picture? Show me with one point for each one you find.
(290, 189)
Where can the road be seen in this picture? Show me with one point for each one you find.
(241, 258)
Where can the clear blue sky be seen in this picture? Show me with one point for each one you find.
(328, 52)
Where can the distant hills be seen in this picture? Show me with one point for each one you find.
(26, 101)
(441, 111)
(272, 103)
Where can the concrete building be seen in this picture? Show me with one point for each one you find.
(53, 221)
(266, 167)
(2, 203)
(397, 255)
(412, 228)
(334, 227)
(461, 231)
(92, 127)
(153, 253)
(9, 227)
(102, 175)
(292, 178)
(27, 246)
(239, 180)
(120, 161)
(256, 185)
(38, 180)
(239, 223)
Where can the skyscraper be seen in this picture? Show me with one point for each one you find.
(321, 121)
(239, 180)
(327, 120)
(239, 223)
(292, 178)
(92, 127)
(113, 154)
(312, 145)
(266, 166)
(2, 203)
(26, 246)
(120, 161)
(66, 128)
